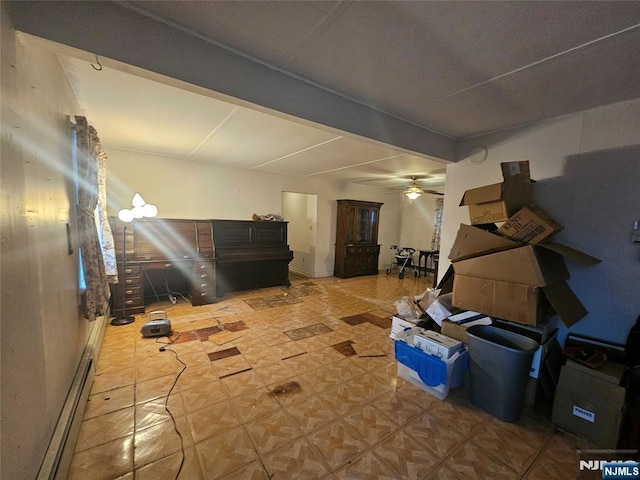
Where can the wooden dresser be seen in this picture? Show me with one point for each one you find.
(200, 259)
(357, 248)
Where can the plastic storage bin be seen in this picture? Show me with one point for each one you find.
(499, 366)
(428, 372)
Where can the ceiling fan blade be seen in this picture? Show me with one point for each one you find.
(433, 192)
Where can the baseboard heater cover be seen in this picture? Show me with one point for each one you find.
(57, 460)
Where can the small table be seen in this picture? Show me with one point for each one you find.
(423, 254)
(435, 257)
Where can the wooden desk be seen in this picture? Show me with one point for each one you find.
(163, 256)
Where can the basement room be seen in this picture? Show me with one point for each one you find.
(320, 240)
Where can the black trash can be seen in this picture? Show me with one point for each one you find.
(499, 365)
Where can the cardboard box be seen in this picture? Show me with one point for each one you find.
(540, 355)
(473, 242)
(435, 343)
(526, 304)
(399, 324)
(589, 404)
(516, 172)
(451, 328)
(528, 265)
(498, 201)
(530, 225)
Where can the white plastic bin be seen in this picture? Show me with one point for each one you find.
(428, 372)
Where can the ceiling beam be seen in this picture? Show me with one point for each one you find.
(113, 31)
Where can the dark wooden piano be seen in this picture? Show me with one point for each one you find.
(250, 254)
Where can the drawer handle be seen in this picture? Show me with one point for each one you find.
(204, 294)
(128, 292)
(128, 280)
(204, 275)
(204, 285)
(128, 270)
(129, 302)
(202, 266)
(168, 265)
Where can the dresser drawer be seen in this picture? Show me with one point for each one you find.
(133, 281)
(130, 270)
(129, 302)
(203, 283)
(356, 249)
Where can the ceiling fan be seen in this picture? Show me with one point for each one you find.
(414, 190)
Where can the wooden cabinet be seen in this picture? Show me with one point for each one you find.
(357, 248)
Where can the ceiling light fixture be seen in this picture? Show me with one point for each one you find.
(414, 190)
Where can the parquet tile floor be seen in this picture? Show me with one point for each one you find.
(272, 404)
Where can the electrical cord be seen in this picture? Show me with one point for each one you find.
(164, 348)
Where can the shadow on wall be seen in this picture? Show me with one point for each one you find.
(597, 201)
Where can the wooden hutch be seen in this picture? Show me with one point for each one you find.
(357, 248)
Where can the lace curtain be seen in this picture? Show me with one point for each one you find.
(102, 221)
(97, 286)
(437, 225)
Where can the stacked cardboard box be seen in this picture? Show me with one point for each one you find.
(517, 273)
(590, 402)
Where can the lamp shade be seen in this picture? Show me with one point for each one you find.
(137, 201)
(149, 210)
(125, 215)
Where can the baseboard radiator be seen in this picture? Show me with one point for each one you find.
(57, 460)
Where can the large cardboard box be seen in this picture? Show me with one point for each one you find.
(530, 225)
(498, 201)
(528, 264)
(526, 304)
(590, 402)
(473, 241)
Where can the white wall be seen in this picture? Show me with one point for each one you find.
(417, 222)
(187, 189)
(43, 334)
(300, 210)
(587, 168)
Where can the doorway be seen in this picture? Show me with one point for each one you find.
(301, 210)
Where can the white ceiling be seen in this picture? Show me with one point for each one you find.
(458, 69)
(145, 114)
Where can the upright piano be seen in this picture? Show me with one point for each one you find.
(250, 254)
